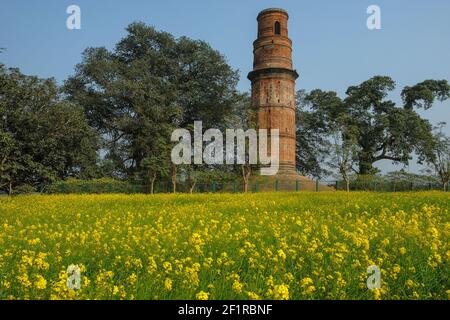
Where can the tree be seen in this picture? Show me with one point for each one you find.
(194, 176)
(246, 173)
(313, 131)
(150, 84)
(201, 174)
(42, 137)
(154, 166)
(382, 130)
(9, 161)
(439, 158)
(344, 152)
(385, 132)
(244, 117)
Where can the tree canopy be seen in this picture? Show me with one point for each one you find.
(151, 83)
(42, 137)
(382, 130)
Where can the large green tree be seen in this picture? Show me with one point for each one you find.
(382, 130)
(439, 158)
(42, 137)
(313, 131)
(151, 83)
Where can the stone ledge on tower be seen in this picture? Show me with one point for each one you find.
(272, 72)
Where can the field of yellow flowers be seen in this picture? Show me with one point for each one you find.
(219, 246)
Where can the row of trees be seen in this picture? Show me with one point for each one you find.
(115, 115)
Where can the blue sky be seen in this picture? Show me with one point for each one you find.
(333, 48)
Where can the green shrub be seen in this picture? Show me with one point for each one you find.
(104, 185)
(24, 189)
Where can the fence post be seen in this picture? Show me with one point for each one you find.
(214, 186)
(337, 185)
(317, 185)
(234, 187)
(297, 186)
(276, 185)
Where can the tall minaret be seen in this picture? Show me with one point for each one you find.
(273, 83)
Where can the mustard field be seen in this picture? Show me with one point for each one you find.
(226, 246)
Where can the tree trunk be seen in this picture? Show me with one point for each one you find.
(366, 160)
(174, 179)
(345, 176)
(191, 190)
(246, 172)
(152, 183)
(366, 167)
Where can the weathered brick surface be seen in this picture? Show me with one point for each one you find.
(273, 83)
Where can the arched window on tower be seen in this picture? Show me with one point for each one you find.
(277, 28)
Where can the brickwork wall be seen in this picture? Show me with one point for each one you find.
(273, 83)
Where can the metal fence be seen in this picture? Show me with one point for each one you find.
(235, 187)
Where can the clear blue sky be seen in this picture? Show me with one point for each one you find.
(332, 46)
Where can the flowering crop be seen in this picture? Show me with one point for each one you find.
(224, 246)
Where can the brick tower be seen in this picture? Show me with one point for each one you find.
(273, 83)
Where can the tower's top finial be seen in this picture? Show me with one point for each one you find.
(272, 10)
